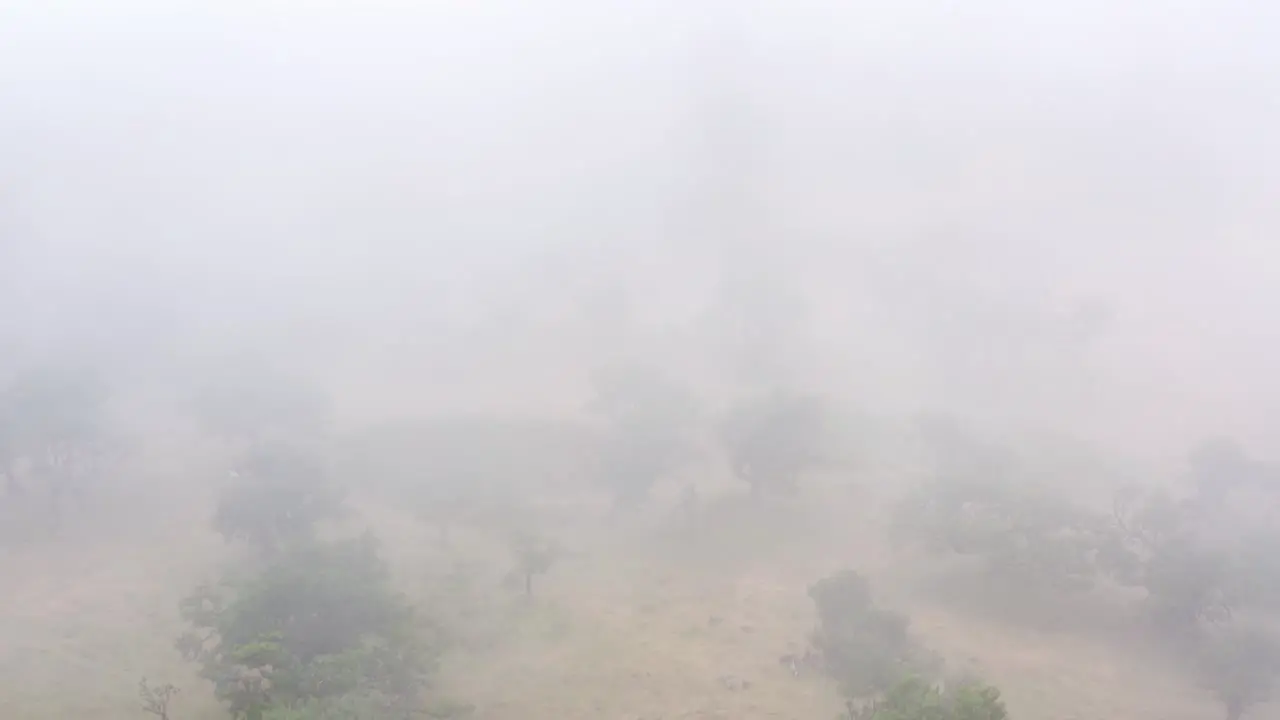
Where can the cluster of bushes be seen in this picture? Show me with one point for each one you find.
(302, 627)
(883, 673)
(1204, 577)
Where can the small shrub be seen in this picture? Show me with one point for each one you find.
(915, 699)
(865, 649)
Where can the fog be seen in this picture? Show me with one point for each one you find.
(1044, 219)
(207, 174)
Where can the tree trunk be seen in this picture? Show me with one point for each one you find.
(528, 584)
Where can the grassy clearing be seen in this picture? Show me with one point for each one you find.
(625, 626)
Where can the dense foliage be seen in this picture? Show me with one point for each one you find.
(915, 699)
(278, 496)
(647, 430)
(880, 669)
(772, 440)
(866, 649)
(320, 623)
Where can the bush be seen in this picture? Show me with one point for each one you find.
(1024, 537)
(915, 699)
(865, 649)
(772, 440)
(318, 622)
(647, 430)
(279, 496)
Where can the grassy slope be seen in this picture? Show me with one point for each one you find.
(630, 628)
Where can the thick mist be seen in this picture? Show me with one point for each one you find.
(670, 307)
(375, 180)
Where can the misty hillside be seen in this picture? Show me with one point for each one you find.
(374, 361)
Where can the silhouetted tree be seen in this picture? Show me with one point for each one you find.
(534, 555)
(281, 492)
(1241, 665)
(1152, 545)
(774, 439)
(648, 422)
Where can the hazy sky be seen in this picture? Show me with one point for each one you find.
(223, 166)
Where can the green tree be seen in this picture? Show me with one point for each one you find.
(280, 494)
(773, 439)
(648, 423)
(320, 621)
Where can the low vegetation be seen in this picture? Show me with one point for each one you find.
(916, 699)
(305, 620)
(866, 649)
(317, 628)
(882, 672)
